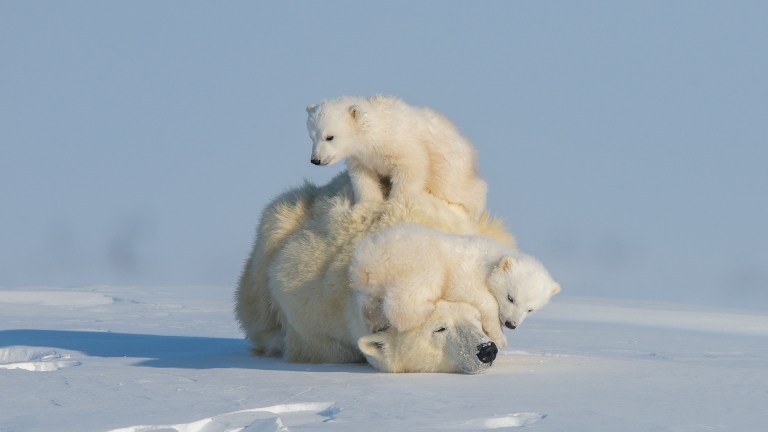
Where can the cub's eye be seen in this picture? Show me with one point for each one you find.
(511, 300)
(530, 310)
(329, 138)
(440, 330)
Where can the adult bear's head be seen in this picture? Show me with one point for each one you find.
(451, 339)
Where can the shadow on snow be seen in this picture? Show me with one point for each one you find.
(184, 352)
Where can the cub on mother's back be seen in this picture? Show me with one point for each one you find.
(416, 149)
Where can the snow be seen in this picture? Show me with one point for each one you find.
(172, 359)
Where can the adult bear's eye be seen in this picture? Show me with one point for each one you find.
(440, 330)
(511, 300)
(329, 138)
(530, 310)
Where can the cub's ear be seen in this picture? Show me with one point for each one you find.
(373, 314)
(310, 107)
(355, 111)
(374, 345)
(506, 264)
(555, 289)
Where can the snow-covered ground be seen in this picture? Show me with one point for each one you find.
(172, 359)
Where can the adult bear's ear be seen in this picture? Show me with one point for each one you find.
(310, 107)
(555, 289)
(374, 345)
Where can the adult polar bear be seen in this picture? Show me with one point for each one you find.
(294, 297)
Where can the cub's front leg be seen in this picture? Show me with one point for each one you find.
(489, 317)
(493, 329)
(366, 183)
(409, 178)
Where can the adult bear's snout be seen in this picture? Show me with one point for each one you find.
(510, 325)
(316, 161)
(486, 352)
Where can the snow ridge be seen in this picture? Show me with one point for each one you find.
(248, 420)
(34, 359)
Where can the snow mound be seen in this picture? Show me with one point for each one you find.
(34, 359)
(513, 420)
(249, 420)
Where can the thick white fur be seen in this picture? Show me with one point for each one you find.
(412, 267)
(414, 149)
(294, 297)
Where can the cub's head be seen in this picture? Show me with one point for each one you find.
(450, 340)
(522, 286)
(334, 128)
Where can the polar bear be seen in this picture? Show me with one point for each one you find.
(451, 340)
(393, 148)
(411, 267)
(294, 298)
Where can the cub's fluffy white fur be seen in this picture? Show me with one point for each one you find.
(411, 267)
(393, 148)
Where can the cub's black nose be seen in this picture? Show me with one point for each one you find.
(486, 352)
(510, 325)
(315, 161)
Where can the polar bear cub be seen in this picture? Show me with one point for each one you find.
(410, 267)
(387, 142)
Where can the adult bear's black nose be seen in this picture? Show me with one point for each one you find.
(486, 352)
(510, 325)
(315, 161)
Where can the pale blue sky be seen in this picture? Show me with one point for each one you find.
(624, 142)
